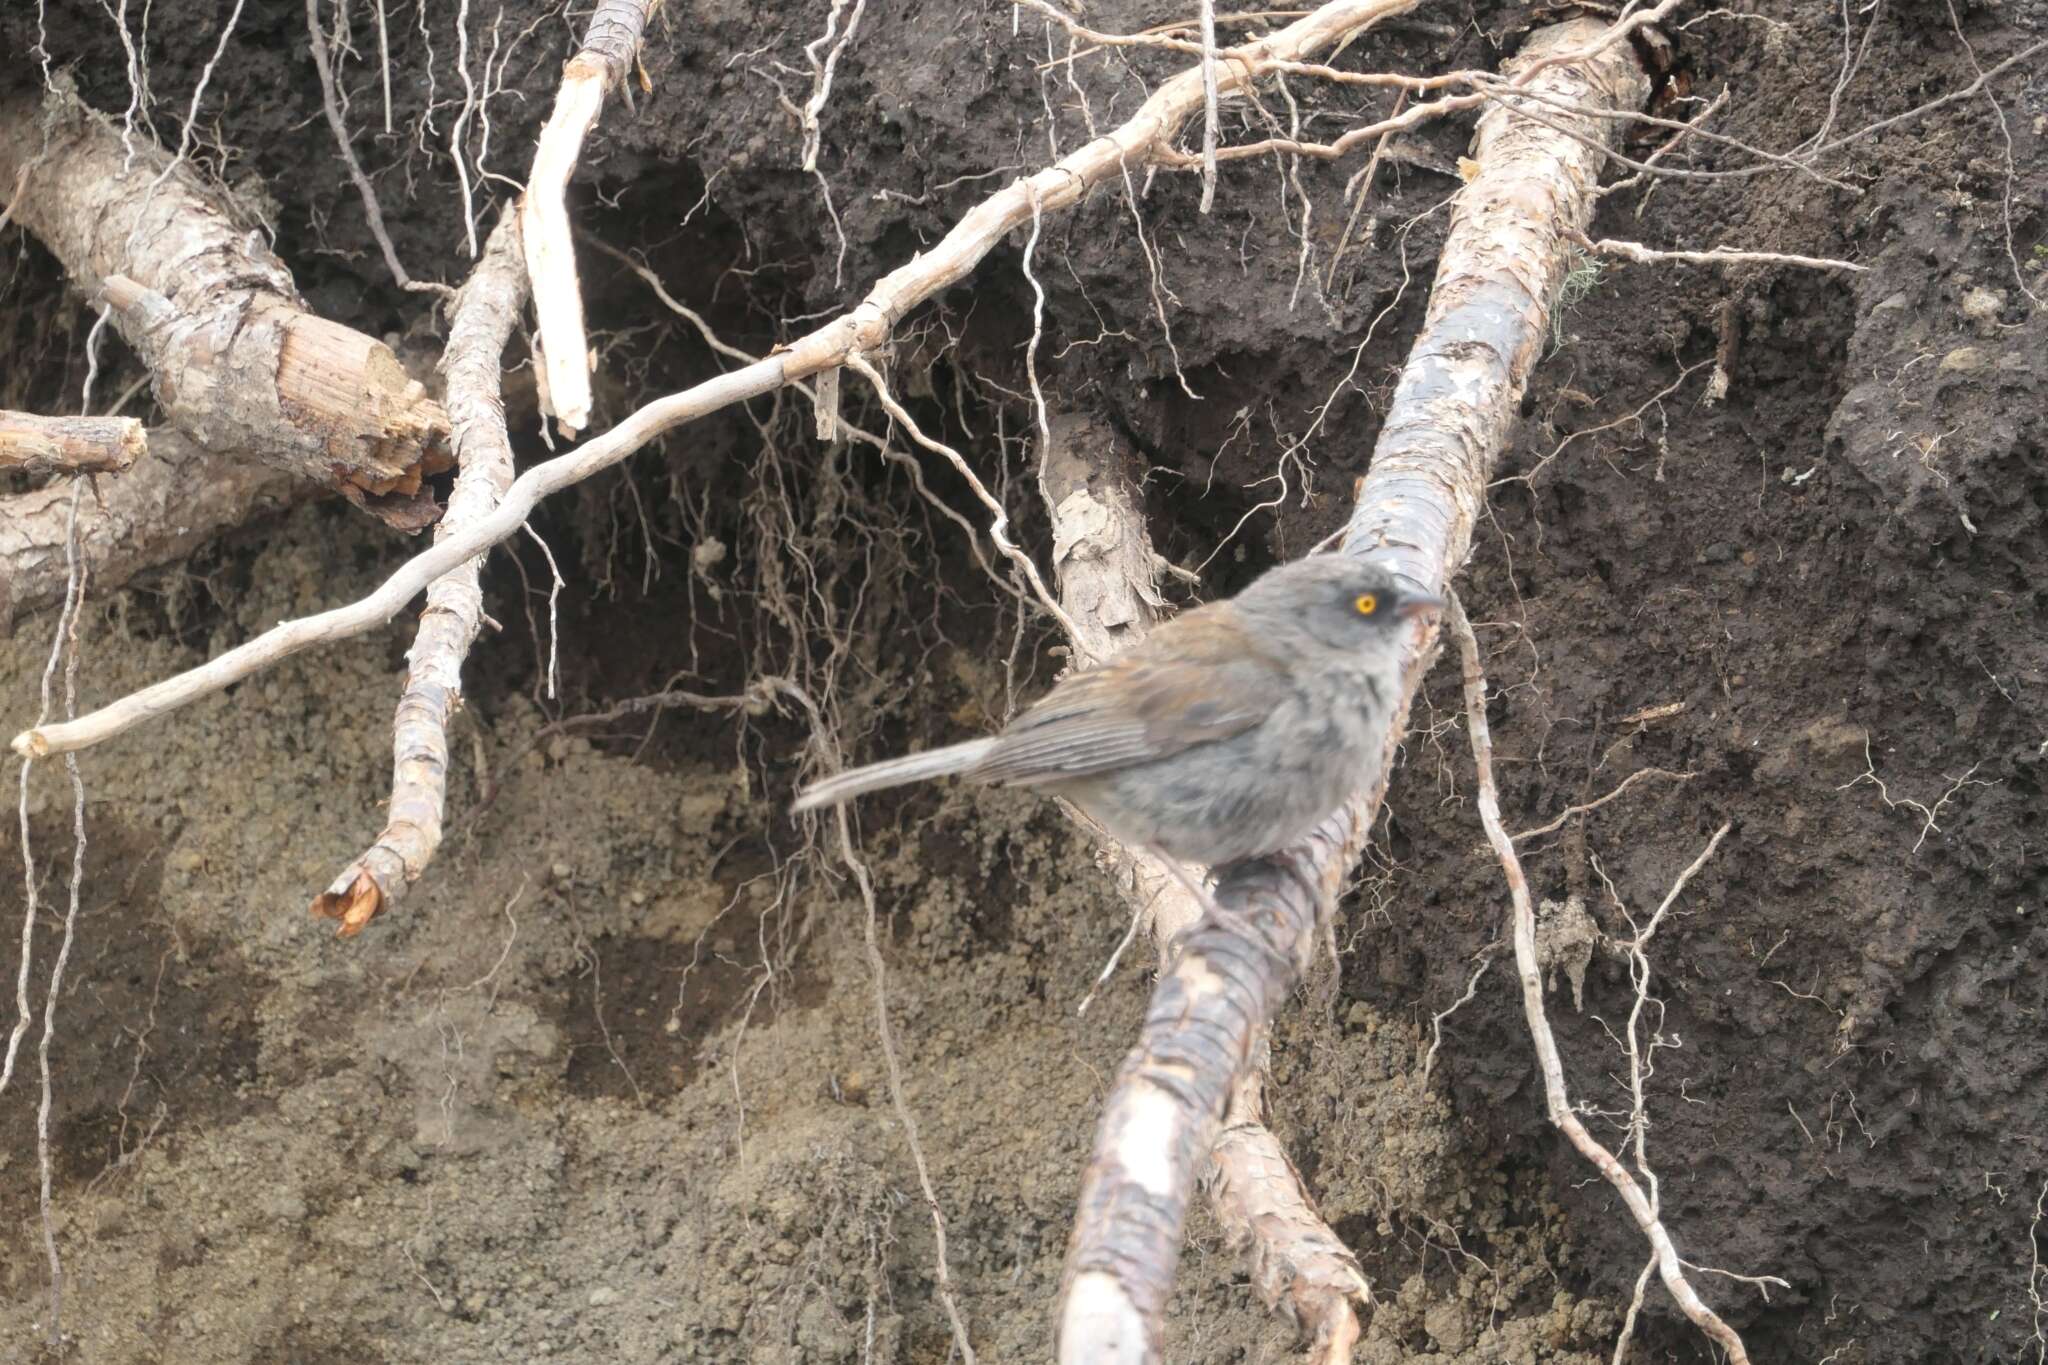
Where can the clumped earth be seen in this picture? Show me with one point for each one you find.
(608, 1086)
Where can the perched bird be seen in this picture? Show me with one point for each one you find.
(1226, 733)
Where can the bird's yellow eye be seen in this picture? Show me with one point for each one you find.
(1366, 603)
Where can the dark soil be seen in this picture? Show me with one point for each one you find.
(608, 1086)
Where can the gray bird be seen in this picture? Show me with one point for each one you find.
(1226, 733)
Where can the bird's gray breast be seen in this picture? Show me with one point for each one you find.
(1257, 791)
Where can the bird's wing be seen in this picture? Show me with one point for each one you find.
(1191, 681)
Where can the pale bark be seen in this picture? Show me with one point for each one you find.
(485, 313)
(610, 44)
(1109, 579)
(80, 445)
(1452, 411)
(1145, 138)
(238, 364)
(178, 499)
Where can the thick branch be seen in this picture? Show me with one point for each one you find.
(867, 327)
(609, 46)
(1451, 413)
(162, 510)
(82, 445)
(1109, 584)
(239, 365)
(485, 312)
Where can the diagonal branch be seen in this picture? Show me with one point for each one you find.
(1138, 142)
(485, 312)
(1109, 582)
(1452, 411)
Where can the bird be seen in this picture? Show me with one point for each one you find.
(1226, 733)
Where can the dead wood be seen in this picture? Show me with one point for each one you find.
(1109, 578)
(237, 362)
(486, 311)
(1452, 411)
(610, 44)
(81, 445)
(163, 509)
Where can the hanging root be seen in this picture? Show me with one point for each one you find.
(609, 46)
(1453, 409)
(1642, 1207)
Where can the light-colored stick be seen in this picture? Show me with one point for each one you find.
(1138, 141)
(485, 313)
(609, 45)
(1636, 251)
(1457, 400)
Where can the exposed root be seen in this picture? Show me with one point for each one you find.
(1642, 1207)
(239, 364)
(372, 210)
(609, 46)
(180, 498)
(1456, 401)
(486, 311)
(77, 445)
(1109, 582)
(865, 329)
(1634, 251)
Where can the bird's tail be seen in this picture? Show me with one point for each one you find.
(894, 772)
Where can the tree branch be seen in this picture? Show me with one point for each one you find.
(609, 45)
(486, 311)
(867, 327)
(1453, 409)
(238, 363)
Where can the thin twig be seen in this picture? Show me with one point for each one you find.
(1635, 251)
(1555, 1095)
(371, 209)
(1569, 811)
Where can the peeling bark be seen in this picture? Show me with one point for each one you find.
(485, 313)
(238, 363)
(1103, 559)
(82, 445)
(1300, 1267)
(169, 505)
(1452, 411)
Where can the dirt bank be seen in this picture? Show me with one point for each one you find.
(607, 1087)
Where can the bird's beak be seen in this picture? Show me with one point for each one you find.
(1418, 604)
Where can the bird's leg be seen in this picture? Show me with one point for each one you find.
(1193, 886)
